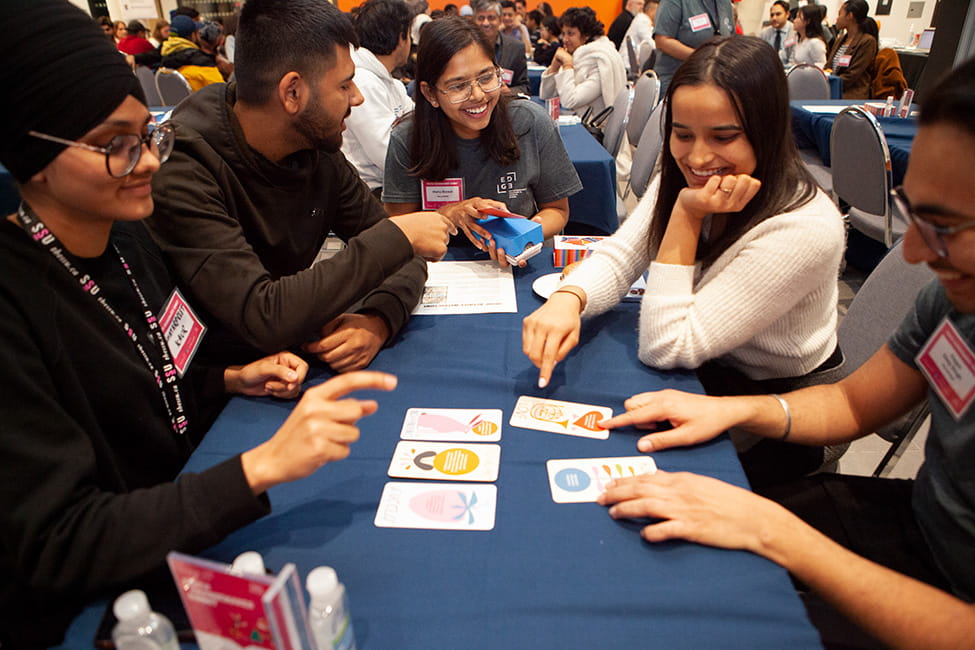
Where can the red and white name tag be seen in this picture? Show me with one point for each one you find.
(699, 22)
(789, 43)
(949, 364)
(554, 107)
(507, 75)
(844, 61)
(182, 329)
(439, 193)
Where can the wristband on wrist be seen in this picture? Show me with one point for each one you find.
(788, 416)
(575, 291)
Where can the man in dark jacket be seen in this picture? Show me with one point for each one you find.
(255, 184)
(509, 53)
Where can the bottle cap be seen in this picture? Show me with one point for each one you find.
(248, 562)
(321, 582)
(130, 605)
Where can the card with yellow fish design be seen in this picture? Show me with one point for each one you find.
(568, 418)
(445, 460)
(452, 425)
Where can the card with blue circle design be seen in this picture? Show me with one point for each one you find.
(581, 480)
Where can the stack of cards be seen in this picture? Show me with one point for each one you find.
(444, 444)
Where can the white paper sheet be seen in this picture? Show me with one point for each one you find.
(467, 288)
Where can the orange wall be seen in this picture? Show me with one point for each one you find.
(606, 10)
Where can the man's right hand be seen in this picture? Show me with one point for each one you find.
(428, 232)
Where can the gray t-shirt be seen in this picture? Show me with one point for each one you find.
(542, 174)
(692, 22)
(944, 492)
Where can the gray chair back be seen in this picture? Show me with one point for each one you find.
(806, 81)
(148, 82)
(171, 86)
(644, 53)
(879, 306)
(646, 154)
(860, 163)
(631, 57)
(615, 127)
(646, 94)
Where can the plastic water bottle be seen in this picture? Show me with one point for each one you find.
(328, 613)
(248, 563)
(140, 628)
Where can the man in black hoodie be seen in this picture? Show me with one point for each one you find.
(257, 181)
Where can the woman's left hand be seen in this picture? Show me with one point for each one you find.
(563, 57)
(279, 375)
(721, 194)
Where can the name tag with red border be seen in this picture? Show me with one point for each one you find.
(949, 364)
(182, 329)
(699, 22)
(844, 61)
(439, 193)
(507, 75)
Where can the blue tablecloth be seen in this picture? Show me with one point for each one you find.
(812, 131)
(595, 205)
(835, 86)
(534, 79)
(9, 195)
(547, 575)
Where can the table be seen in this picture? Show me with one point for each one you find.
(548, 575)
(812, 131)
(594, 207)
(912, 64)
(9, 194)
(835, 86)
(535, 78)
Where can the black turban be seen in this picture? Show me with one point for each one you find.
(60, 75)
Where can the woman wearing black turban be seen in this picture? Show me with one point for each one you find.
(101, 404)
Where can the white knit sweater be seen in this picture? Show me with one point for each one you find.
(766, 306)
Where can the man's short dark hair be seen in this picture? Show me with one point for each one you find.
(507, 4)
(380, 24)
(953, 99)
(783, 4)
(275, 37)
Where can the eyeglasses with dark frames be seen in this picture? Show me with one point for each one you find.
(933, 235)
(124, 151)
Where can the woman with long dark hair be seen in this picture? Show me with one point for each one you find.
(743, 249)
(854, 50)
(811, 47)
(468, 147)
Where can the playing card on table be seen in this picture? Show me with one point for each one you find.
(578, 480)
(448, 506)
(445, 460)
(458, 425)
(552, 415)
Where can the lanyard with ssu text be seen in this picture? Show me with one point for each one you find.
(166, 377)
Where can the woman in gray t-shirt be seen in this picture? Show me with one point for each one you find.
(470, 146)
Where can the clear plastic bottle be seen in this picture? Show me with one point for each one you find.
(140, 628)
(328, 613)
(248, 563)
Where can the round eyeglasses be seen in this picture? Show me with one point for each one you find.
(460, 91)
(124, 151)
(933, 236)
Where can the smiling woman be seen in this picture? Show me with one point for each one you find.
(469, 147)
(743, 249)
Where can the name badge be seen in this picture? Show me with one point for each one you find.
(182, 329)
(789, 43)
(507, 75)
(439, 193)
(699, 22)
(844, 61)
(949, 364)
